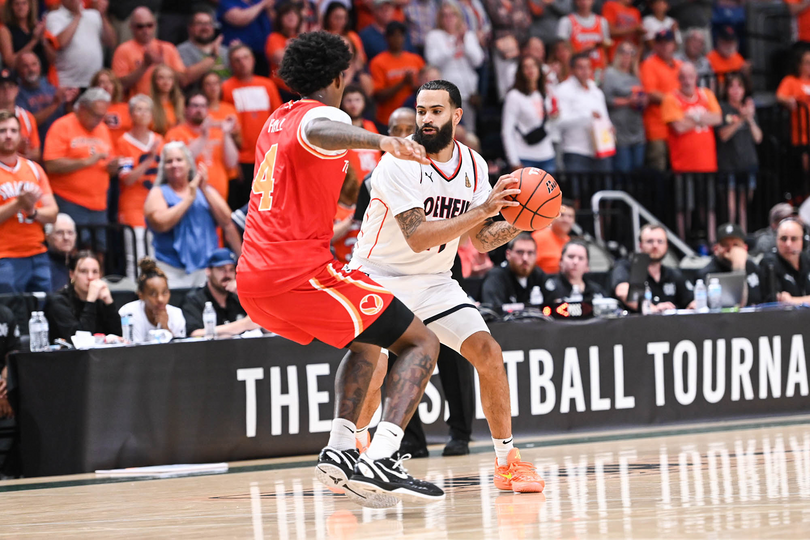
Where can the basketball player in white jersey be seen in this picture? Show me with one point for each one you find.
(407, 243)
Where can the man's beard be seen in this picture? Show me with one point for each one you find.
(205, 40)
(658, 259)
(437, 142)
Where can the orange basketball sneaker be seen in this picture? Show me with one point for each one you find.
(518, 476)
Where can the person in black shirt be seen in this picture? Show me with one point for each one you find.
(790, 264)
(220, 291)
(731, 255)
(9, 342)
(517, 280)
(570, 284)
(670, 289)
(61, 243)
(83, 304)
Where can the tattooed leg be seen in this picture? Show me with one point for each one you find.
(352, 380)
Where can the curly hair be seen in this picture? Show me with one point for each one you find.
(148, 269)
(312, 61)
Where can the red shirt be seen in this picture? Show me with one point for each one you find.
(293, 203)
(694, 150)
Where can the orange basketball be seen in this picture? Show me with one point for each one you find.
(540, 198)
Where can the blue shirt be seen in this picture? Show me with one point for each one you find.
(34, 100)
(254, 35)
(374, 42)
(190, 243)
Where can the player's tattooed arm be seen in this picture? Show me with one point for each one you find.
(494, 234)
(409, 221)
(332, 135)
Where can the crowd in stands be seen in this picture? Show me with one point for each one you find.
(146, 114)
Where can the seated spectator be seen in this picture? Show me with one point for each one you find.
(550, 241)
(139, 151)
(570, 284)
(526, 141)
(765, 239)
(211, 146)
(167, 100)
(659, 75)
(288, 26)
(375, 36)
(725, 58)
(38, 96)
(61, 245)
(24, 32)
(152, 310)
(336, 21)
(183, 214)
(731, 255)
(694, 50)
(81, 35)
(793, 91)
(737, 138)
(117, 118)
(516, 280)
(657, 21)
(624, 22)
(203, 51)
(220, 290)
(588, 34)
(84, 304)
(581, 102)
(9, 343)
(455, 50)
(394, 72)
(247, 22)
(26, 203)
(77, 157)
(626, 101)
(136, 59)
(30, 146)
(789, 264)
(670, 289)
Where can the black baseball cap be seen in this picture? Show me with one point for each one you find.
(727, 33)
(6, 75)
(729, 230)
(665, 34)
(395, 26)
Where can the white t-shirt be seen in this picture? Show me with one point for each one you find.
(444, 190)
(577, 105)
(84, 55)
(652, 26)
(141, 325)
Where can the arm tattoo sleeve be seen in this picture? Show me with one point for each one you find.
(496, 233)
(409, 221)
(332, 135)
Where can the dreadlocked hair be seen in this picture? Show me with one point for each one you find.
(312, 61)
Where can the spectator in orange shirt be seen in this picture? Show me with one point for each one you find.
(167, 99)
(288, 22)
(551, 240)
(255, 98)
(29, 134)
(587, 32)
(361, 161)
(394, 72)
(135, 60)
(725, 58)
(794, 93)
(624, 22)
(218, 110)
(78, 157)
(800, 9)
(26, 203)
(139, 151)
(117, 118)
(659, 76)
(210, 145)
(336, 21)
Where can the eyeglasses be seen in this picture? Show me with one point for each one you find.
(141, 26)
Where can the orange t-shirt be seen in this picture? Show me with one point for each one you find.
(212, 155)
(118, 120)
(722, 65)
(28, 127)
(549, 249)
(21, 236)
(657, 76)
(792, 86)
(589, 38)
(129, 56)
(88, 186)
(693, 151)
(131, 199)
(388, 70)
(363, 161)
(621, 16)
(254, 100)
(223, 111)
(802, 21)
(344, 245)
(275, 42)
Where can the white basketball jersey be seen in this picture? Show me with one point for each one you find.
(443, 190)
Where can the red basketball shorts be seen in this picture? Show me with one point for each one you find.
(334, 306)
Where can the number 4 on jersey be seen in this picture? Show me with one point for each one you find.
(263, 183)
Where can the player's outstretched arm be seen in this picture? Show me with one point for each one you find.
(332, 135)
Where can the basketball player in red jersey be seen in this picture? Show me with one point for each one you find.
(289, 282)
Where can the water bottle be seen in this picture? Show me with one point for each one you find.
(701, 301)
(715, 292)
(34, 332)
(210, 321)
(646, 304)
(44, 332)
(127, 328)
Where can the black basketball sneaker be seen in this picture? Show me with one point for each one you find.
(388, 476)
(334, 469)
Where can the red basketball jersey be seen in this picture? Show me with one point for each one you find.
(293, 203)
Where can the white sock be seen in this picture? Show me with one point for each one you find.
(386, 441)
(342, 435)
(502, 448)
(361, 434)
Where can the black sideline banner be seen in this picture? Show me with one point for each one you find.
(267, 397)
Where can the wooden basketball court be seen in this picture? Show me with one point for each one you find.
(741, 480)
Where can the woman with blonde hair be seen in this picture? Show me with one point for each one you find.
(117, 118)
(167, 99)
(626, 101)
